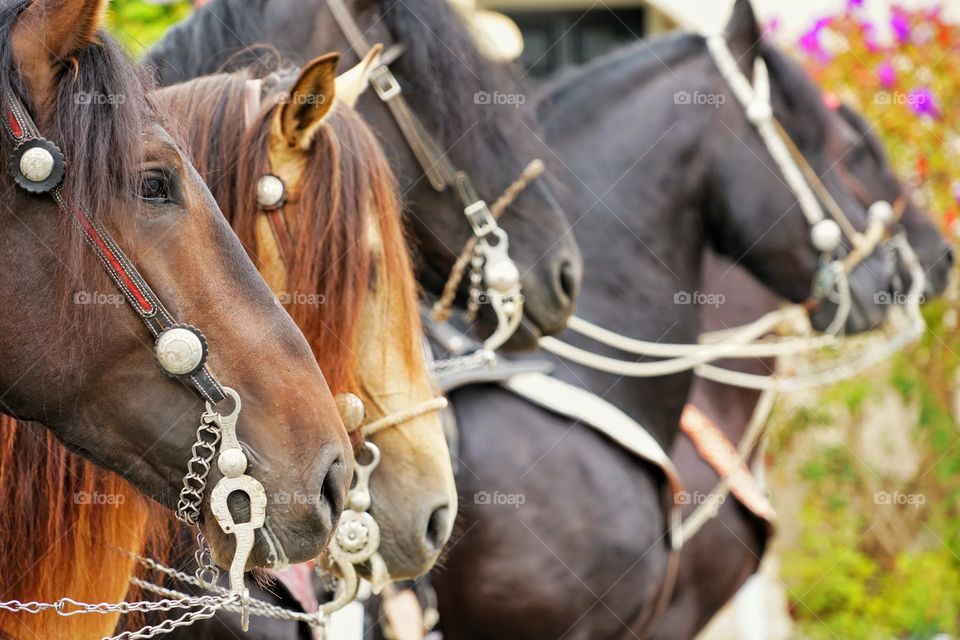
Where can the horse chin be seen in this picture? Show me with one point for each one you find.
(523, 339)
(271, 546)
(401, 566)
(864, 316)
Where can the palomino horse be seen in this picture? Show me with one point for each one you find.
(460, 119)
(81, 131)
(346, 246)
(586, 555)
(707, 579)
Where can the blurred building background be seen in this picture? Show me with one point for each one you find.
(557, 33)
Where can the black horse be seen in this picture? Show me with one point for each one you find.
(708, 579)
(492, 142)
(654, 182)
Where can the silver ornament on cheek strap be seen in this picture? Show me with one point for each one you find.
(232, 463)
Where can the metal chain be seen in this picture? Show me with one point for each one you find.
(185, 620)
(195, 481)
(476, 284)
(67, 607)
(257, 607)
(207, 573)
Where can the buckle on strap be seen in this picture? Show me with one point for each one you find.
(480, 218)
(384, 83)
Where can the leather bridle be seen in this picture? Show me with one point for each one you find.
(487, 252)
(38, 167)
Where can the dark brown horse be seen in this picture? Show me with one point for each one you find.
(78, 361)
(444, 77)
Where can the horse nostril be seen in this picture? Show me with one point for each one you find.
(438, 528)
(569, 280)
(334, 487)
(949, 256)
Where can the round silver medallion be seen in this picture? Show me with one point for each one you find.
(502, 275)
(351, 410)
(881, 211)
(358, 536)
(36, 164)
(270, 191)
(179, 351)
(825, 236)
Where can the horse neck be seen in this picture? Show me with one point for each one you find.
(220, 31)
(62, 521)
(642, 242)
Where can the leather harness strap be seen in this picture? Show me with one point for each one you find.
(275, 215)
(439, 170)
(20, 127)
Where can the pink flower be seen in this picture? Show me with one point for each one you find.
(900, 26)
(923, 103)
(887, 75)
(810, 41)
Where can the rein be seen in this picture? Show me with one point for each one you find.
(751, 340)
(487, 252)
(38, 167)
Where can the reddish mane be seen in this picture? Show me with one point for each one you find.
(58, 545)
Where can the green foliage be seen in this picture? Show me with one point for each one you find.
(138, 24)
(860, 568)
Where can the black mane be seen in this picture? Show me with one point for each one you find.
(567, 92)
(440, 64)
(98, 122)
(199, 45)
(440, 71)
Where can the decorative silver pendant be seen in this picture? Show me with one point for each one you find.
(357, 538)
(271, 192)
(825, 236)
(881, 211)
(180, 350)
(232, 462)
(351, 411)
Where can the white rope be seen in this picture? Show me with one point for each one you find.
(760, 114)
(782, 320)
(398, 417)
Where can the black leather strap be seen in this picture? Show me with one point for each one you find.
(20, 127)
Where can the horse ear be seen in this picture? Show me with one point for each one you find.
(309, 102)
(743, 35)
(47, 35)
(352, 82)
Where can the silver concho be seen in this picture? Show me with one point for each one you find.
(881, 211)
(351, 410)
(179, 351)
(270, 191)
(36, 164)
(358, 536)
(825, 236)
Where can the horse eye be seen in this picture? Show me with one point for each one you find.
(155, 188)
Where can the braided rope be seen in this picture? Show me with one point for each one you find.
(443, 307)
(399, 417)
